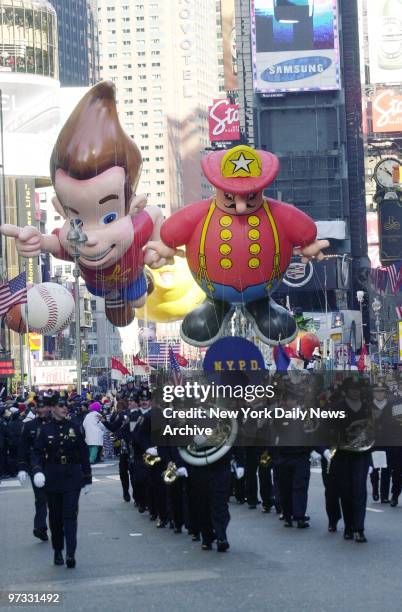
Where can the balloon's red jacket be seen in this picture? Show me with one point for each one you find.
(240, 252)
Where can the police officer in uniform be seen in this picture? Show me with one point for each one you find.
(60, 463)
(29, 433)
(292, 461)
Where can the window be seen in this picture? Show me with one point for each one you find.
(127, 66)
(93, 305)
(113, 67)
(58, 270)
(160, 182)
(56, 217)
(155, 64)
(160, 170)
(94, 327)
(126, 30)
(126, 43)
(144, 124)
(129, 101)
(141, 65)
(68, 269)
(128, 77)
(128, 89)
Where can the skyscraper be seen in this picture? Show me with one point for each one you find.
(78, 41)
(163, 58)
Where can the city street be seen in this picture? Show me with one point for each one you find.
(125, 563)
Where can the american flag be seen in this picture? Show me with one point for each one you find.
(158, 353)
(399, 312)
(12, 293)
(176, 372)
(394, 273)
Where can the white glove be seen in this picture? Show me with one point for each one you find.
(371, 469)
(153, 451)
(87, 489)
(22, 476)
(182, 471)
(39, 480)
(239, 471)
(327, 454)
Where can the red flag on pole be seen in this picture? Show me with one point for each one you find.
(137, 361)
(119, 367)
(182, 361)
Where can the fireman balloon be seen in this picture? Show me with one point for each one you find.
(238, 246)
(175, 294)
(95, 168)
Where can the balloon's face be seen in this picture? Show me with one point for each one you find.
(236, 204)
(98, 205)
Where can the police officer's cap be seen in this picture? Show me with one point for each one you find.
(145, 395)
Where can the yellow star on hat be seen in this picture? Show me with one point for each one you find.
(241, 161)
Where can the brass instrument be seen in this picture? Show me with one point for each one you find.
(360, 436)
(215, 446)
(170, 474)
(265, 459)
(332, 454)
(151, 460)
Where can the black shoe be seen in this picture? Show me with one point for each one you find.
(240, 502)
(206, 546)
(70, 562)
(287, 523)
(252, 506)
(161, 524)
(58, 557)
(206, 323)
(195, 537)
(222, 545)
(394, 502)
(126, 497)
(153, 517)
(302, 524)
(376, 497)
(41, 534)
(141, 509)
(177, 530)
(171, 525)
(332, 527)
(266, 509)
(281, 516)
(272, 323)
(360, 537)
(384, 501)
(348, 535)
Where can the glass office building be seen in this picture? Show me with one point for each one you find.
(78, 42)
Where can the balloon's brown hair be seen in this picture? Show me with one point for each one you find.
(92, 140)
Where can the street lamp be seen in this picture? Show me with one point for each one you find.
(360, 298)
(376, 306)
(77, 238)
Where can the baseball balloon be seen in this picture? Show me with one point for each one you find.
(50, 309)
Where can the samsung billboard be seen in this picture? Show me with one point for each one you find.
(295, 45)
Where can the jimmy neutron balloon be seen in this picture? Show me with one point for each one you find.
(238, 245)
(95, 168)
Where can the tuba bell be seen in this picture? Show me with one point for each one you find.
(151, 460)
(360, 436)
(214, 447)
(170, 474)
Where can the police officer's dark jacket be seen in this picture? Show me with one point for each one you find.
(61, 453)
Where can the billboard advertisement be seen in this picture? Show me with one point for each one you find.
(295, 45)
(384, 19)
(387, 111)
(223, 119)
(229, 44)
